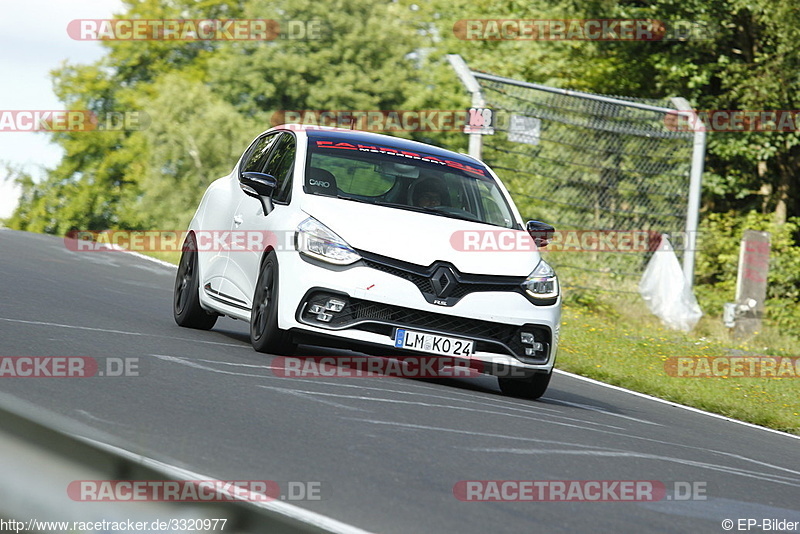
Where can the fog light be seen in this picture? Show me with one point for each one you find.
(526, 338)
(325, 313)
(335, 305)
(536, 347)
(533, 347)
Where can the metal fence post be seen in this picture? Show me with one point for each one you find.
(478, 101)
(695, 190)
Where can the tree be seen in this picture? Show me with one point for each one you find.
(205, 100)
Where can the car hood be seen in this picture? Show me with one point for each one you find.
(422, 238)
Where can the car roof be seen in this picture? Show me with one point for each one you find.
(358, 136)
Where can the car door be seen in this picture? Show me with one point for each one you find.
(215, 283)
(252, 229)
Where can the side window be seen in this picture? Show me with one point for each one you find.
(256, 156)
(281, 165)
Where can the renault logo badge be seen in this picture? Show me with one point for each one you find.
(443, 282)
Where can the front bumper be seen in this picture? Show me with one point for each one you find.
(375, 303)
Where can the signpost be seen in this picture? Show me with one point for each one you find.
(751, 282)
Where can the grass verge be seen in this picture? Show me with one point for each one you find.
(621, 343)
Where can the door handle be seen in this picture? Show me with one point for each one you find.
(237, 220)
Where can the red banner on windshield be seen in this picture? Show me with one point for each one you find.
(343, 145)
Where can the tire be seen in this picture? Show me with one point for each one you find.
(265, 336)
(186, 307)
(532, 387)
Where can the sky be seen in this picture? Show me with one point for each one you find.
(34, 41)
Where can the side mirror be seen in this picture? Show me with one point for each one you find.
(260, 186)
(542, 233)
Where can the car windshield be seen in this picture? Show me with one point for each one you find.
(400, 179)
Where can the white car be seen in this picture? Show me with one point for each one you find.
(356, 239)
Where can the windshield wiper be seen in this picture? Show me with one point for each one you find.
(439, 211)
(432, 210)
(363, 201)
(419, 209)
(401, 206)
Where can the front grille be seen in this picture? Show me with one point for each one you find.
(421, 276)
(462, 290)
(422, 282)
(383, 319)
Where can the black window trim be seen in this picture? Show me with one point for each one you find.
(290, 175)
(252, 147)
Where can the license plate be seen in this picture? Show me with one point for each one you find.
(433, 343)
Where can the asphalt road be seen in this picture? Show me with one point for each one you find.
(388, 451)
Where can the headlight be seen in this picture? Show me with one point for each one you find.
(542, 283)
(318, 241)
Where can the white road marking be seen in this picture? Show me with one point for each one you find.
(448, 407)
(629, 454)
(321, 401)
(95, 418)
(600, 410)
(189, 363)
(117, 248)
(481, 402)
(163, 263)
(630, 436)
(122, 332)
(674, 404)
(469, 432)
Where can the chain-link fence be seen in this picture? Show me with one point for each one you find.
(608, 168)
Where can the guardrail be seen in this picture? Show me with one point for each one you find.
(38, 461)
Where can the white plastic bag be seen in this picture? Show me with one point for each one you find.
(666, 292)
